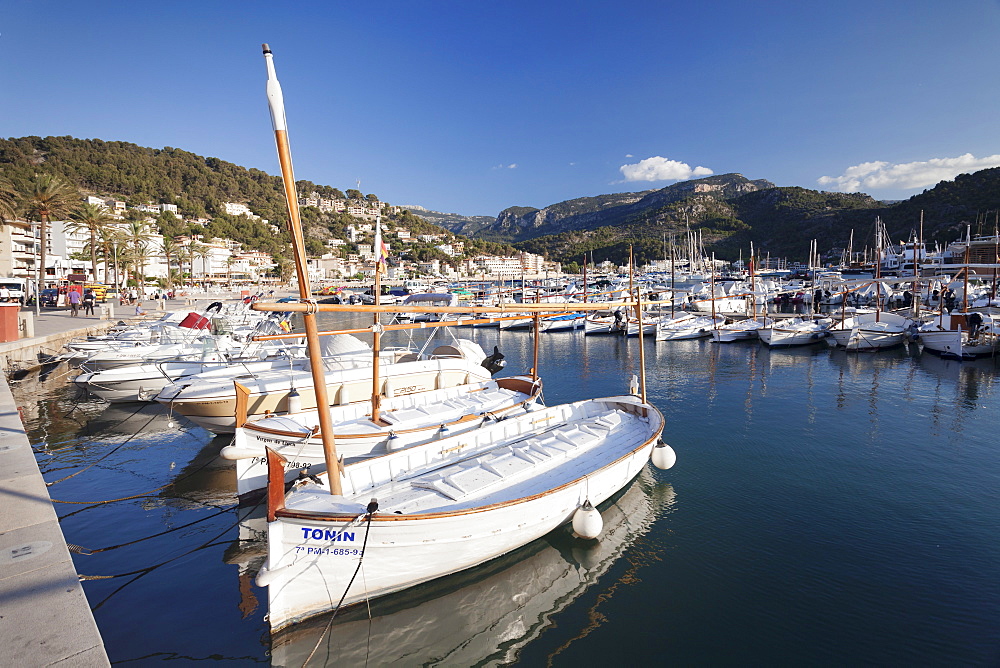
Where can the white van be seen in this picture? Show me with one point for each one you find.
(15, 287)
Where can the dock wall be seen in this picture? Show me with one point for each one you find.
(45, 619)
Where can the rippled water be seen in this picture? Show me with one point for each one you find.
(825, 509)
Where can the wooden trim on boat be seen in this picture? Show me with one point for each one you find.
(275, 484)
(242, 400)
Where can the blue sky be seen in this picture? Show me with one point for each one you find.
(474, 106)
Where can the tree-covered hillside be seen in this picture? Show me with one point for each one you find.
(197, 185)
(781, 222)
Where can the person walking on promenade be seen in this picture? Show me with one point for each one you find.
(88, 302)
(74, 302)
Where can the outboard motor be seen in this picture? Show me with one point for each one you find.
(495, 362)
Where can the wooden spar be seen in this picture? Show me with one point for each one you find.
(642, 348)
(397, 327)
(714, 326)
(277, 106)
(965, 284)
(537, 326)
(673, 260)
(505, 309)
(584, 278)
(916, 292)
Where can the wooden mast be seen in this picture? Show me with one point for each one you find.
(276, 103)
(642, 348)
(377, 324)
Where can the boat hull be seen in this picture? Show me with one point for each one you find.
(217, 412)
(955, 344)
(312, 558)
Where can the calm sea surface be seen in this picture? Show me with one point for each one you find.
(825, 509)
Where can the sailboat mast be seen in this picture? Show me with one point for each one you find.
(276, 103)
(377, 324)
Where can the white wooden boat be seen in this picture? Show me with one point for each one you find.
(794, 332)
(211, 402)
(563, 323)
(959, 341)
(492, 611)
(448, 505)
(403, 421)
(687, 326)
(612, 324)
(869, 331)
(740, 330)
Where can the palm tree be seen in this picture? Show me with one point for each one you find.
(202, 251)
(48, 196)
(90, 218)
(138, 236)
(183, 255)
(171, 250)
(230, 261)
(8, 201)
(110, 237)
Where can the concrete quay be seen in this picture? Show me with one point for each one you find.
(45, 619)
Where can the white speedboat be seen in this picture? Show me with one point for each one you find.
(142, 382)
(211, 402)
(402, 421)
(434, 509)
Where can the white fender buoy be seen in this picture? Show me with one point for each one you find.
(587, 521)
(294, 401)
(663, 456)
(233, 453)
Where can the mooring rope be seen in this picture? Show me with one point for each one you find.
(138, 496)
(106, 455)
(148, 569)
(369, 511)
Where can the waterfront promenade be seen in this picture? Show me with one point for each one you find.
(45, 619)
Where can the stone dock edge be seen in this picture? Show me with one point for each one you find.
(45, 618)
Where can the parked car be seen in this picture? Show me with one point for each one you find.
(50, 297)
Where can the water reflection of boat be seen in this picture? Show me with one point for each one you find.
(484, 615)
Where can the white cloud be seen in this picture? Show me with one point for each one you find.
(883, 175)
(629, 155)
(661, 169)
(512, 165)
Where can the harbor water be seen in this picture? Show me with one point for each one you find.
(826, 508)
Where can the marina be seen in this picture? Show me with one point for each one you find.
(682, 460)
(828, 507)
